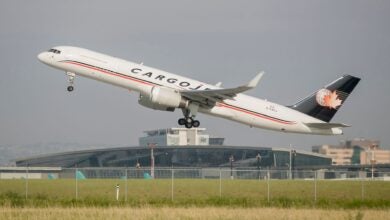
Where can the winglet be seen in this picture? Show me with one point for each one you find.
(218, 84)
(253, 83)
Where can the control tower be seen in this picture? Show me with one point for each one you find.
(179, 136)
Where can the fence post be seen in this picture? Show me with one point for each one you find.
(26, 182)
(172, 171)
(75, 176)
(220, 183)
(315, 186)
(268, 176)
(126, 185)
(362, 183)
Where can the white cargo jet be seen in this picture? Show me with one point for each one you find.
(165, 91)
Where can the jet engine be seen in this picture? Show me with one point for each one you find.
(164, 99)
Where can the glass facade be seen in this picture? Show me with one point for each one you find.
(180, 156)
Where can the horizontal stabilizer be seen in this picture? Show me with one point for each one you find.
(326, 125)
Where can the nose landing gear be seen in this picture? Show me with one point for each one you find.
(71, 77)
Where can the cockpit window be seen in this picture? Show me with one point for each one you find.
(54, 51)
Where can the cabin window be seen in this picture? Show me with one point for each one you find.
(54, 51)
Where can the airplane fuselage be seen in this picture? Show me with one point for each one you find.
(138, 77)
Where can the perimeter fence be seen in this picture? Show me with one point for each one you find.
(132, 184)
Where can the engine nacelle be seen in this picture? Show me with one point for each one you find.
(163, 99)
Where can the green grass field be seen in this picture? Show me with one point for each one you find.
(196, 192)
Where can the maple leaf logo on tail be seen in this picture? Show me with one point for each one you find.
(332, 100)
(324, 103)
(327, 98)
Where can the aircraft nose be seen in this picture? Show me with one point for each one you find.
(42, 57)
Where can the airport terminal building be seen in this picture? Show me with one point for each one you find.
(178, 147)
(180, 156)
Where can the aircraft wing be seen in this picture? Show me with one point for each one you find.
(326, 125)
(217, 95)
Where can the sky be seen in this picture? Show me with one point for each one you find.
(301, 45)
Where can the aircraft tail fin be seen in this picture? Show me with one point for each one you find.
(324, 103)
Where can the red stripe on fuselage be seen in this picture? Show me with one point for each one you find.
(256, 114)
(152, 84)
(110, 73)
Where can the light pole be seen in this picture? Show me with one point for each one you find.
(231, 159)
(293, 153)
(289, 173)
(258, 158)
(168, 160)
(152, 145)
(372, 160)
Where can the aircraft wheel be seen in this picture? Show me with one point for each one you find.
(189, 120)
(182, 121)
(195, 123)
(70, 88)
(188, 125)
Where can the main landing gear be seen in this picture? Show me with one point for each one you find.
(70, 81)
(189, 114)
(189, 122)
